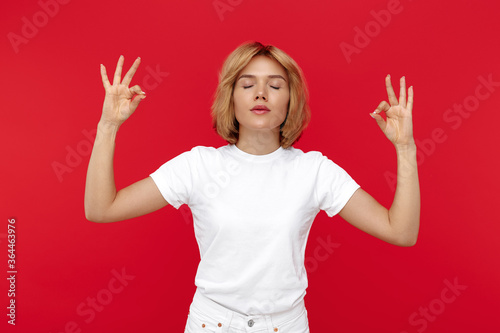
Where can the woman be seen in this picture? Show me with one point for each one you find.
(254, 199)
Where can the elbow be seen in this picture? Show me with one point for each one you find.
(95, 213)
(89, 212)
(92, 216)
(406, 236)
(99, 217)
(407, 241)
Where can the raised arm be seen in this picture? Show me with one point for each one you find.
(102, 202)
(398, 225)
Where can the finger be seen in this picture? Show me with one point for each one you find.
(380, 120)
(130, 74)
(118, 72)
(136, 90)
(382, 107)
(409, 106)
(390, 92)
(135, 102)
(104, 76)
(402, 92)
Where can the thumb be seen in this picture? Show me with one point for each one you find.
(136, 100)
(137, 96)
(135, 90)
(379, 119)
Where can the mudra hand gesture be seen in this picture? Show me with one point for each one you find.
(397, 126)
(119, 102)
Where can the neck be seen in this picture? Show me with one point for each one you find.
(258, 142)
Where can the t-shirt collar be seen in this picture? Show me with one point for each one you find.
(257, 158)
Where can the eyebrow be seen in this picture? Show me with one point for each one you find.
(276, 76)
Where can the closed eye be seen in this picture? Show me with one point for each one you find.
(246, 87)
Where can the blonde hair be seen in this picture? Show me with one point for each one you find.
(298, 115)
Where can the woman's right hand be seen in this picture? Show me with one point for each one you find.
(120, 100)
(103, 203)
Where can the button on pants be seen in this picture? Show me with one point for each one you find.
(207, 316)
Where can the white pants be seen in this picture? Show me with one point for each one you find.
(207, 316)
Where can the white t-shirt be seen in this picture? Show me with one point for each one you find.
(252, 215)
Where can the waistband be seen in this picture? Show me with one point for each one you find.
(204, 305)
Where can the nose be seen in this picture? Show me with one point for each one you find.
(261, 94)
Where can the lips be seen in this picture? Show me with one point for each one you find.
(260, 109)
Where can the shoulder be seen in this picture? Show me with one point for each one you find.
(313, 160)
(192, 157)
(300, 155)
(204, 151)
(202, 154)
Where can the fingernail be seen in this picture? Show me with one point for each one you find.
(142, 92)
(389, 75)
(371, 114)
(139, 58)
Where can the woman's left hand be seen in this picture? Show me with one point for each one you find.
(398, 125)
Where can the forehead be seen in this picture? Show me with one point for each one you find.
(263, 66)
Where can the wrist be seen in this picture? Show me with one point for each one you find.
(106, 131)
(409, 147)
(107, 126)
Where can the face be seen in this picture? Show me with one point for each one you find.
(261, 95)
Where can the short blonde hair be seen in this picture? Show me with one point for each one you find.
(298, 115)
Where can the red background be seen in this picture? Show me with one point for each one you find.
(52, 93)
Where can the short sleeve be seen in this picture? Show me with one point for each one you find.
(334, 187)
(174, 178)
